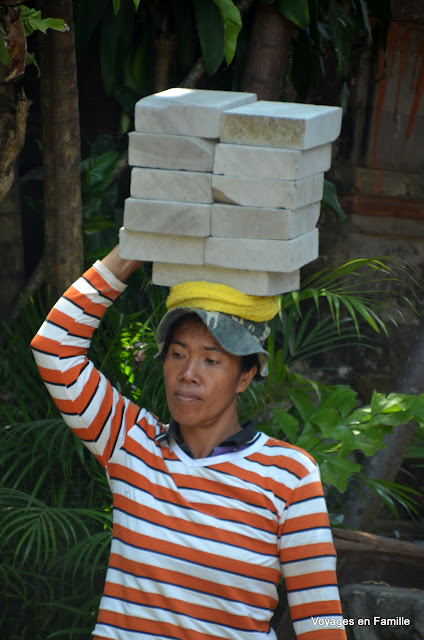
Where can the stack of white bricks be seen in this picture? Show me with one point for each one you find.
(226, 188)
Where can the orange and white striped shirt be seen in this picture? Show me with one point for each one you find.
(199, 545)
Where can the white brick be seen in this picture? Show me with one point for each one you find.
(174, 186)
(264, 255)
(281, 124)
(232, 221)
(251, 192)
(192, 112)
(255, 283)
(170, 218)
(161, 151)
(266, 162)
(136, 245)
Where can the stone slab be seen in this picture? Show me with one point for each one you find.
(255, 283)
(271, 163)
(281, 124)
(192, 112)
(170, 218)
(232, 221)
(150, 247)
(389, 612)
(263, 255)
(166, 151)
(259, 192)
(169, 185)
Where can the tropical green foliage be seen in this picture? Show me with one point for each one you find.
(328, 309)
(99, 198)
(218, 25)
(327, 32)
(55, 520)
(17, 22)
(330, 426)
(99, 190)
(330, 200)
(130, 31)
(54, 502)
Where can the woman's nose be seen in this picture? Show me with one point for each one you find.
(190, 370)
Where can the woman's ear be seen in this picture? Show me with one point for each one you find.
(246, 378)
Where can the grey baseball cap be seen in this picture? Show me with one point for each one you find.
(236, 335)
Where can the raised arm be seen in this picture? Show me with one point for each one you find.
(120, 267)
(89, 404)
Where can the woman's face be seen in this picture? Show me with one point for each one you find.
(202, 381)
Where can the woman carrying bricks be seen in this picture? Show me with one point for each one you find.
(208, 514)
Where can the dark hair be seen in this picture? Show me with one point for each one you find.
(249, 361)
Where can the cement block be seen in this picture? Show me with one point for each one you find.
(271, 163)
(174, 186)
(264, 255)
(251, 192)
(170, 218)
(192, 112)
(281, 124)
(136, 245)
(231, 221)
(161, 151)
(255, 283)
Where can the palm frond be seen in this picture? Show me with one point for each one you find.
(392, 494)
(334, 304)
(34, 531)
(357, 285)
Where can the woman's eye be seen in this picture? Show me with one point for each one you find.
(211, 361)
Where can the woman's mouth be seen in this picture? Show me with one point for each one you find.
(186, 396)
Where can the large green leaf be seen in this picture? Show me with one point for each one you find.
(115, 39)
(302, 402)
(325, 418)
(232, 26)
(211, 33)
(344, 400)
(337, 471)
(341, 34)
(288, 424)
(34, 22)
(97, 171)
(329, 200)
(87, 16)
(297, 11)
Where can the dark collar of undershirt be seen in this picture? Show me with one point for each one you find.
(235, 442)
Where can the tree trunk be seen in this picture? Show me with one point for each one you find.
(362, 509)
(61, 151)
(164, 57)
(268, 51)
(11, 251)
(12, 135)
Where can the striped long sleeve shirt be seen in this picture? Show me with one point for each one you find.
(199, 546)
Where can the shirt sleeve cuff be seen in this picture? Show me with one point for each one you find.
(107, 274)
